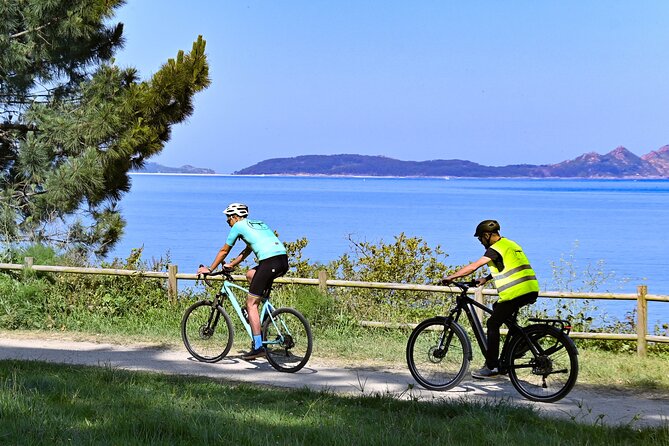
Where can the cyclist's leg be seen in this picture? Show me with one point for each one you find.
(279, 268)
(501, 312)
(252, 302)
(261, 280)
(250, 273)
(252, 306)
(255, 276)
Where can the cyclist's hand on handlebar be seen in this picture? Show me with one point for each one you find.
(228, 268)
(471, 283)
(203, 270)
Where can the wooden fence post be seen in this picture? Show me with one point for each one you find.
(478, 297)
(641, 319)
(322, 281)
(172, 289)
(27, 263)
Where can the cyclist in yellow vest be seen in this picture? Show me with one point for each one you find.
(515, 281)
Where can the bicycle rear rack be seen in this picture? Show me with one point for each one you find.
(564, 326)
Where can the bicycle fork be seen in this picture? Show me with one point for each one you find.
(447, 335)
(208, 330)
(444, 340)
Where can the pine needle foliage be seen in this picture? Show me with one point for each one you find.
(73, 124)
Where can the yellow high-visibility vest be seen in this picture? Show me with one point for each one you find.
(517, 277)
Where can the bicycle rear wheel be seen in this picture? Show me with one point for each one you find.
(549, 376)
(438, 354)
(207, 331)
(288, 340)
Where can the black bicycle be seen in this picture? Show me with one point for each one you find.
(540, 359)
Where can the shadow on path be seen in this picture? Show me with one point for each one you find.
(582, 404)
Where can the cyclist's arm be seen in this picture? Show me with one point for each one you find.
(220, 257)
(485, 279)
(467, 270)
(240, 258)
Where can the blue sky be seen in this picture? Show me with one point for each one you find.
(493, 82)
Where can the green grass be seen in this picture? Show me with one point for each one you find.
(624, 371)
(58, 404)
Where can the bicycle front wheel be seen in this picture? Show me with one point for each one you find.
(288, 340)
(551, 375)
(207, 331)
(438, 354)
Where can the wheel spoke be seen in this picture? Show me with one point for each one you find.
(438, 355)
(206, 332)
(552, 374)
(288, 340)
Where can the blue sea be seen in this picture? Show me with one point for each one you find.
(612, 226)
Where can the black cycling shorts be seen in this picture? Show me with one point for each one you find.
(266, 271)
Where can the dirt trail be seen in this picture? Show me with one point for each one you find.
(582, 404)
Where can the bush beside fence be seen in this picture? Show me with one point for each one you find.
(172, 276)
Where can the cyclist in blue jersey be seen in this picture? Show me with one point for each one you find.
(272, 263)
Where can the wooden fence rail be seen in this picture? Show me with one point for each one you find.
(172, 276)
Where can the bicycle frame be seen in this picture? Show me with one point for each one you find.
(226, 293)
(468, 305)
(208, 331)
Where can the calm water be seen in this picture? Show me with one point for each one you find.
(617, 222)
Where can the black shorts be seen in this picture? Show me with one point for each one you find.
(266, 271)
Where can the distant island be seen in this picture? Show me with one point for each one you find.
(158, 168)
(619, 163)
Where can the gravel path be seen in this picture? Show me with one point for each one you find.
(582, 404)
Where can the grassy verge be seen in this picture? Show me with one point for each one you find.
(56, 404)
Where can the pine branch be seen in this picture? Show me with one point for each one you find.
(6, 126)
(39, 28)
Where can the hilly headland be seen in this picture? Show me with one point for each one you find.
(619, 163)
(186, 169)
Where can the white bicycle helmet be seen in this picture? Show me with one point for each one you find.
(237, 209)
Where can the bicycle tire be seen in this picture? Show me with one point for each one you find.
(549, 377)
(205, 342)
(435, 367)
(289, 341)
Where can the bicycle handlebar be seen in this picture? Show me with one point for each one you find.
(464, 286)
(223, 272)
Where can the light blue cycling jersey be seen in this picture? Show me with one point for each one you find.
(258, 236)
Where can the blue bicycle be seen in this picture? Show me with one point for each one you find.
(208, 333)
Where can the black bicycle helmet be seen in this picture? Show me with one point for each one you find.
(486, 226)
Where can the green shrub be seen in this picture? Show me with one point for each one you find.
(317, 307)
(24, 303)
(72, 301)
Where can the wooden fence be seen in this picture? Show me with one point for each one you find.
(172, 276)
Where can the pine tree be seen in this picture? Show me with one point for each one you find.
(73, 124)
